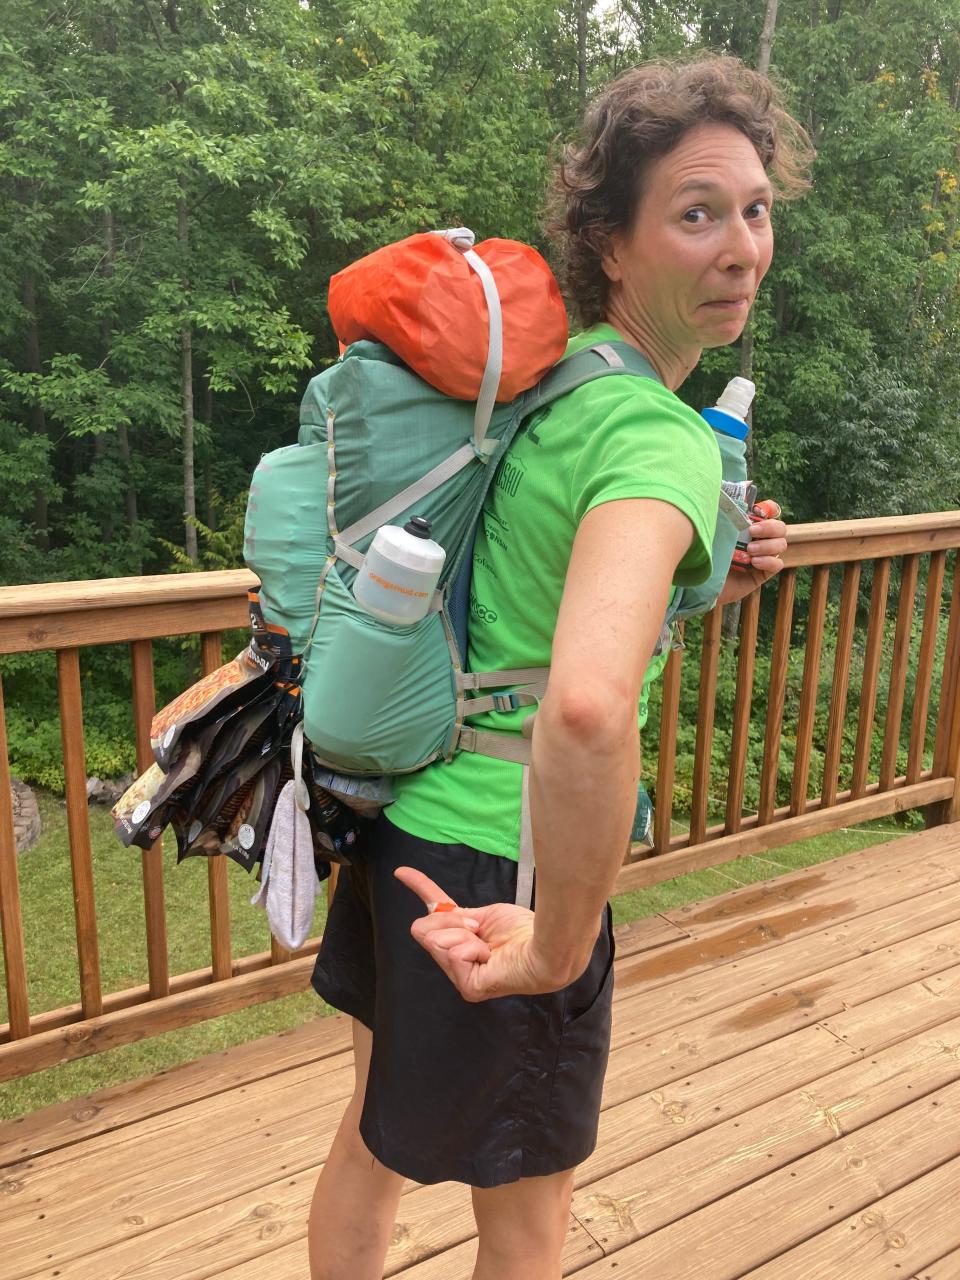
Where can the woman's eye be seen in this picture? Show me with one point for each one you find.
(758, 210)
(695, 216)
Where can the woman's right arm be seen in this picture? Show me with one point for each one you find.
(583, 784)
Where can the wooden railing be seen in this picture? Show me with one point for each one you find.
(893, 548)
(66, 617)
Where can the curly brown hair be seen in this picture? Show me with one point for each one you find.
(639, 117)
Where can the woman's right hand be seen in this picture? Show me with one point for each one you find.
(486, 952)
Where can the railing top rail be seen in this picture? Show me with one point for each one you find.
(112, 593)
(874, 527)
(879, 536)
(838, 541)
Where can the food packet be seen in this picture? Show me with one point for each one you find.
(224, 690)
(246, 836)
(129, 811)
(335, 827)
(208, 805)
(241, 734)
(140, 821)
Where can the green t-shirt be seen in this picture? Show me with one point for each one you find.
(617, 437)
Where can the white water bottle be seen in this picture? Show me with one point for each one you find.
(400, 572)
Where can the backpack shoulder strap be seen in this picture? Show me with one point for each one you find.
(598, 361)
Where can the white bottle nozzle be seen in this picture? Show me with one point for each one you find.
(737, 397)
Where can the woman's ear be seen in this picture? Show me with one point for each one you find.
(610, 249)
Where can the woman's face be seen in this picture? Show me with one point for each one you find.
(685, 274)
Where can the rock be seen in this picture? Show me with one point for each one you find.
(107, 791)
(26, 816)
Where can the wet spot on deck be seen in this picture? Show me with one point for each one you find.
(740, 903)
(802, 997)
(740, 939)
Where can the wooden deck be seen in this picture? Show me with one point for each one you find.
(783, 1103)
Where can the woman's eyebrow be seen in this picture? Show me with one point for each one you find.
(707, 187)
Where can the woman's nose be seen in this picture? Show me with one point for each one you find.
(740, 249)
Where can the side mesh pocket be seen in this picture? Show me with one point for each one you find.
(377, 698)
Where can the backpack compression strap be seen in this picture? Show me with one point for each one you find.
(599, 361)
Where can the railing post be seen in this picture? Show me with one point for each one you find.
(946, 752)
(706, 708)
(11, 918)
(211, 656)
(158, 961)
(78, 826)
(667, 754)
(743, 701)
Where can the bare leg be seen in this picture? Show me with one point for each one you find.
(522, 1227)
(355, 1203)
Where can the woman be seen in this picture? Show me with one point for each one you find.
(611, 501)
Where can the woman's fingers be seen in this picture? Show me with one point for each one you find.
(766, 566)
(427, 890)
(768, 529)
(461, 944)
(444, 938)
(445, 923)
(768, 542)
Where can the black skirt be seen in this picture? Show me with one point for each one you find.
(477, 1093)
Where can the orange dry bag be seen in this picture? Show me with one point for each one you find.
(422, 298)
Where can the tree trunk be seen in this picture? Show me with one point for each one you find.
(209, 509)
(186, 386)
(38, 419)
(583, 12)
(934, 208)
(766, 37)
(172, 18)
(747, 341)
(123, 439)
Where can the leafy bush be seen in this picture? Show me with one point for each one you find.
(37, 756)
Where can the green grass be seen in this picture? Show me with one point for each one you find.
(52, 970)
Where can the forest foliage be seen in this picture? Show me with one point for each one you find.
(180, 178)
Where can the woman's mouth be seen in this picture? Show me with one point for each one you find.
(728, 304)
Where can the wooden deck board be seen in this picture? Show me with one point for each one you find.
(122, 1104)
(894, 1234)
(765, 1042)
(946, 1268)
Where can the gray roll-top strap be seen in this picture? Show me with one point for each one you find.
(493, 369)
(462, 238)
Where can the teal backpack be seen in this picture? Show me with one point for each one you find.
(377, 445)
